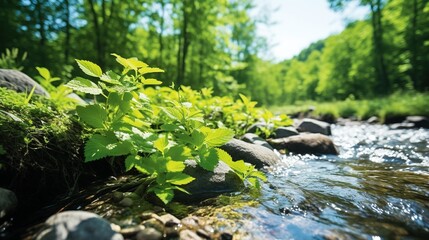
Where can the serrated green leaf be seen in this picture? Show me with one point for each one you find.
(161, 143)
(44, 72)
(218, 137)
(178, 178)
(131, 161)
(178, 153)
(165, 195)
(175, 166)
(99, 146)
(94, 115)
(151, 81)
(223, 155)
(84, 85)
(89, 68)
(197, 138)
(145, 70)
(111, 77)
(131, 63)
(172, 113)
(113, 99)
(210, 160)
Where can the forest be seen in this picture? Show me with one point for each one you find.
(215, 44)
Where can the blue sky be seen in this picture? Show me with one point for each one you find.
(297, 23)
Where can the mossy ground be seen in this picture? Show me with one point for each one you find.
(41, 145)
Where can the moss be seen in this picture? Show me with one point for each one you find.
(41, 145)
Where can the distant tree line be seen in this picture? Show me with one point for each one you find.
(215, 44)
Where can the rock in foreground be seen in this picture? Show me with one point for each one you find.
(76, 225)
(8, 202)
(310, 143)
(314, 126)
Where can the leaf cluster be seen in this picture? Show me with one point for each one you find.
(156, 136)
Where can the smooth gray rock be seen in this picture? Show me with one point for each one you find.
(250, 153)
(8, 202)
(403, 125)
(282, 132)
(373, 120)
(208, 184)
(74, 225)
(20, 82)
(314, 126)
(306, 143)
(255, 139)
(418, 121)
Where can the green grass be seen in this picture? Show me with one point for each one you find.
(395, 105)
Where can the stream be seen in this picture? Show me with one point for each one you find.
(377, 188)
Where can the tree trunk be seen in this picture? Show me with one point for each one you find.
(98, 43)
(68, 27)
(380, 66)
(161, 33)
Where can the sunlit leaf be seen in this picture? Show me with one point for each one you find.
(151, 81)
(94, 115)
(218, 137)
(89, 68)
(145, 70)
(44, 72)
(165, 195)
(99, 146)
(84, 85)
(178, 178)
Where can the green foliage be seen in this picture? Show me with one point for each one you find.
(398, 104)
(38, 137)
(11, 60)
(154, 133)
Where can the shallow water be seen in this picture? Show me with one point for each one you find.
(377, 188)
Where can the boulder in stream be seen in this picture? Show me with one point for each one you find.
(251, 153)
(282, 132)
(208, 184)
(314, 126)
(418, 121)
(255, 139)
(76, 225)
(307, 143)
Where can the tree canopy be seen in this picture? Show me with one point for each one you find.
(215, 44)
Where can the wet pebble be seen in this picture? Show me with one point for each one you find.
(131, 231)
(189, 235)
(154, 223)
(126, 202)
(149, 234)
(226, 236)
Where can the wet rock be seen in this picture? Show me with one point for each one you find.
(8, 202)
(310, 143)
(404, 125)
(147, 215)
(373, 120)
(209, 184)
(131, 231)
(203, 233)
(250, 153)
(126, 202)
(117, 196)
(154, 223)
(314, 126)
(189, 235)
(74, 225)
(418, 121)
(20, 82)
(255, 139)
(190, 222)
(226, 236)
(168, 219)
(149, 234)
(283, 132)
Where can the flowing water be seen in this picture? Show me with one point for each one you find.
(377, 188)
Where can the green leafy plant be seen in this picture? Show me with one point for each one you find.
(154, 137)
(10, 59)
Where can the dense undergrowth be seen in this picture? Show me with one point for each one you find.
(395, 105)
(128, 118)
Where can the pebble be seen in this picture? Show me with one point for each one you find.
(131, 231)
(149, 234)
(126, 202)
(154, 223)
(168, 218)
(226, 236)
(189, 235)
(117, 196)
